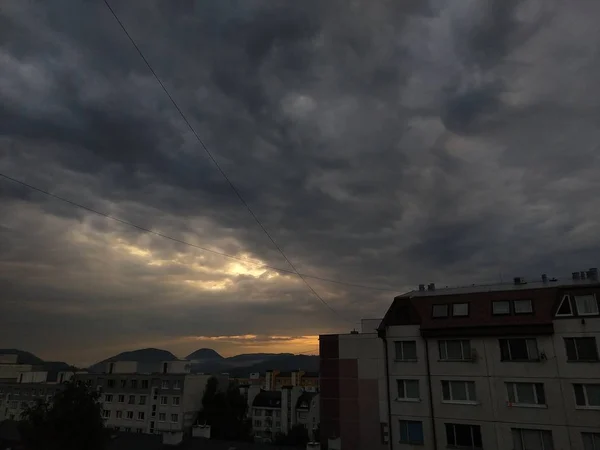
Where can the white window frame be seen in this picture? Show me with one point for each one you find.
(403, 423)
(566, 298)
(584, 387)
(594, 313)
(497, 302)
(119, 414)
(176, 418)
(595, 438)
(439, 316)
(575, 339)
(540, 435)
(175, 401)
(527, 341)
(129, 415)
(443, 343)
(177, 384)
(512, 386)
(106, 414)
(164, 384)
(402, 343)
(471, 428)
(121, 398)
(108, 398)
(468, 401)
(405, 398)
(523, 301)
(162, 415)
(454, 305)
(164, 400)
(141, 415)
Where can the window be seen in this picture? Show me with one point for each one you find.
(440, 311)
(177, 384)
(174, 417)
(129, 414)
(406, 350)
(565, 308)
(463, 436)
(587, 395)
(139, 430)
(458, 391)
(519, 350)
(523, 306)
(119, 414)
(581, 349)
(141, 415)
(110, 383)
(105, 414)
(586, 305)
(524, 439)
(127, 429)
(526, 393)
(121, 398)
(142, 399)
(162, 417)
(500, 308)
(134, 384)
(123, 383)
(591, 441)
(164, 400)
(145, 384)
(455, 350)
(164, 384)
(108, 398)
(411, 432)
(408, 389)
(460, 309)
(175, 401)
(257, 423)
(14, 404)
(131, 400)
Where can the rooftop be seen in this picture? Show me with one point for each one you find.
(499, 287)
(267, 399)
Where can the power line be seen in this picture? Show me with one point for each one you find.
(216, 252)
(180, 241)
(218, 166)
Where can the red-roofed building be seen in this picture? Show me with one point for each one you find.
(507, 366)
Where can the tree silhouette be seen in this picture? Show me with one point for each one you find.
(71, 420)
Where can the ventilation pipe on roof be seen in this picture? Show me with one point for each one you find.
(582, 275)
(576, 276)
(421, 288)
(593, 274)
(431, 287)
(544, 278)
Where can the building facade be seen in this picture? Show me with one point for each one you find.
(150, 398)
(511, 366)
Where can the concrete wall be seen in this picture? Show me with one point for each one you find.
(33, 377)
(12, 371)
(491, 411)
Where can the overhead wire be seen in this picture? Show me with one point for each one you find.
(218, 166)
(181, 241)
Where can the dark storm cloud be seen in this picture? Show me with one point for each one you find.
(380, 142)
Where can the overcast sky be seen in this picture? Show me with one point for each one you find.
(386, 143)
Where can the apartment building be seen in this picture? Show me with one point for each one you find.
(150, 398)
(275, 412)
(25, 388)
(508, 366)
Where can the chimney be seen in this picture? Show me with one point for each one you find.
(421, 288)
(431, 287)
(576, 276)
(519, 280)
(544, 278)
(593, 274)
